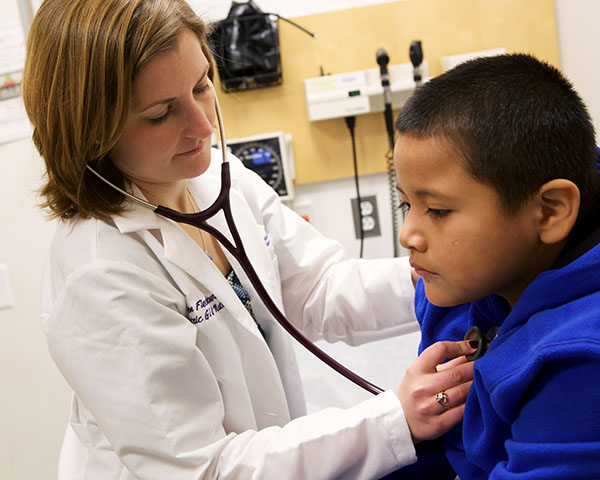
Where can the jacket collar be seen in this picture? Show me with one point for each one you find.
(135, 218)
(205, 190)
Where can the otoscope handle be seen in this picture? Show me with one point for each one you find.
(383, 59)
(415, 53)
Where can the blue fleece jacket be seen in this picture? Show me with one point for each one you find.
(534, 408)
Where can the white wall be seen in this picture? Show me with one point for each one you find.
(336, 221)
(578, 46)
(217, 9)
(34, 400)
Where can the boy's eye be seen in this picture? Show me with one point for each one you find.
(404, 207)
(438, 213)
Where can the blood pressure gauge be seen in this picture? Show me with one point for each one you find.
(269, 155)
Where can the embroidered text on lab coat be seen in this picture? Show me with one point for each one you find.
(204, 309)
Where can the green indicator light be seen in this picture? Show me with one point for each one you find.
(354, 93)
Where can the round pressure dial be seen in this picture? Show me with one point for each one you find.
(264, 158)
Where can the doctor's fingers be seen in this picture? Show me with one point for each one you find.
(450, 377)
(420, 388)
(451, 363)
(439, 352)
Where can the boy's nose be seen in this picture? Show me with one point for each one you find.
(410, 237)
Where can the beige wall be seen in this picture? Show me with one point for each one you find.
(348, 40)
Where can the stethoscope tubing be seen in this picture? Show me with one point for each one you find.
(237, 250)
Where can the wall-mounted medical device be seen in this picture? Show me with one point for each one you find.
(271, 156)
(246, 47)
(355, 93)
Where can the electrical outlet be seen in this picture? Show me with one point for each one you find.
(370, 216)
(305, 210)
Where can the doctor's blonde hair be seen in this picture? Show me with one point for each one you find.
(82, 58)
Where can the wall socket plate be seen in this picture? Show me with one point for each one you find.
(370, 216)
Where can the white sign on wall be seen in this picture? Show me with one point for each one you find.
(13, 119)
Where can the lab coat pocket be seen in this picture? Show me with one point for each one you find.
(90, 455)
(88, 434)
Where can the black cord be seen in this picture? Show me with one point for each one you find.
(313, 35)
(394, 200)
(351, 122)
(389, 158)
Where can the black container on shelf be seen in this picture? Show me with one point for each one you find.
(245, 46)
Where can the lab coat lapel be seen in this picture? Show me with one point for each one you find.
(181, 250)
(179, 247)
(257, 247)
(264, 260)
(256, 242)
(193, 267)
(262, 257)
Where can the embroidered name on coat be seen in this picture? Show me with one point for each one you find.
(204, 309)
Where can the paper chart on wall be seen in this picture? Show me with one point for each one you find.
(14, 123)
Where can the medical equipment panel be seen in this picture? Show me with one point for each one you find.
(270, 156)
(359, 92)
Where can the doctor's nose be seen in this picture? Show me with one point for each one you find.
(199, 120)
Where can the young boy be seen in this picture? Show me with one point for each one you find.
(496, 166)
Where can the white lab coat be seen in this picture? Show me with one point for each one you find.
(172, 379)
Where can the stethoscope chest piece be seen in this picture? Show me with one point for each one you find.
(484, 340)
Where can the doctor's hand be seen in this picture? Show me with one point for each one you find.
(433, 393)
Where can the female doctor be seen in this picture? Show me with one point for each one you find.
(178, 370)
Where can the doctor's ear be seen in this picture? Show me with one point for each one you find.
(558, 202)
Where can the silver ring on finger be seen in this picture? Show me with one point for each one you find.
(442, 399)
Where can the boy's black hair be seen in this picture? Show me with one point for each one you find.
(516, 122)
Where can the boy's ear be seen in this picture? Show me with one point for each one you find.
(559, 205)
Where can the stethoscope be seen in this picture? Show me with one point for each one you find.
(199, 220)
(483, 339)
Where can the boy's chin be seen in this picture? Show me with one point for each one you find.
(444, 304)
(443, 299)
